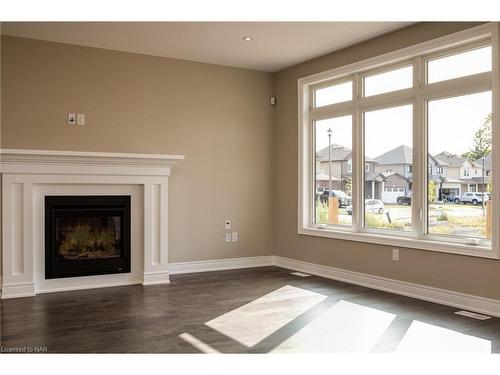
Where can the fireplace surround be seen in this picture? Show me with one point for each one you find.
(29, 176)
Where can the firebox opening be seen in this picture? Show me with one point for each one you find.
(86, 235)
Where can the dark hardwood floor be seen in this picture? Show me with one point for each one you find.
(151, 319)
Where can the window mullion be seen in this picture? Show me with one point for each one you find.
(495, 178)
(357, 159)
(419, 153)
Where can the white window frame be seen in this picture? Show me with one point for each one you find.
(418, 95)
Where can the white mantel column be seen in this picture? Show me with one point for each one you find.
(17, 240)
(156, 234)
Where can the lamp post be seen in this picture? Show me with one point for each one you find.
(484, 190)
(329, 132)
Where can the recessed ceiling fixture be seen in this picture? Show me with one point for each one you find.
(247, 38)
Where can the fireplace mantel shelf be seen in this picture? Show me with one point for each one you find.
(10, 156)
(81, 162)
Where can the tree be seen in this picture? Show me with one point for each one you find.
(482, 141)
(432, 192)
(488, 188)
(348, 186)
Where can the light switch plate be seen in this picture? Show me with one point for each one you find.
(80, 119)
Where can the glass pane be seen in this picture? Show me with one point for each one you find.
(388, 181)
(333, 94)
(393, 80)
(333, 171)
(459, 198)
(459, 65)
(89, 237)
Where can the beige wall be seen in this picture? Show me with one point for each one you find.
(219, 117)
(466, 274)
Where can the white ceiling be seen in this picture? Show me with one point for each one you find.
(276, 45)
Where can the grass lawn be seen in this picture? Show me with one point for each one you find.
(444, 218)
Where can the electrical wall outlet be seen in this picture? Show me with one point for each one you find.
(234, 236)
(228, 237)
(71, 118)
(228, 224)
(395, 255)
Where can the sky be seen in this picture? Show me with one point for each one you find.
(452, 121)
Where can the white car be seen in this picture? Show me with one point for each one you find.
(375, 206)
(474, 198)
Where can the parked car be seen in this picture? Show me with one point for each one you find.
(375, 206)
(451, 198)
(404, 199)
(474, 198)
(344, 199)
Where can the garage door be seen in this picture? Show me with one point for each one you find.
(391, 195)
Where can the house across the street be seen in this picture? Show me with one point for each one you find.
(390, 175)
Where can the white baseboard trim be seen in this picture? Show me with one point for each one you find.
(220, 264)
(18, 290)
(86, 287)
(156, 278)
(459, 300)
(470, 302)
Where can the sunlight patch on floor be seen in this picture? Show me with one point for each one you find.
(424, 337)
(198, 344)
(253, 322)
(345, 327)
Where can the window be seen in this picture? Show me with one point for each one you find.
(332, 147)
(397, 123)
(338, 93)
(463, 116)
(392, 80)
(442, 91)
(459, 65)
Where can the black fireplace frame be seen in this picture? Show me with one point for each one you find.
(59, 206)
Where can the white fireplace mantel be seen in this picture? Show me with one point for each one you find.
(29, 175)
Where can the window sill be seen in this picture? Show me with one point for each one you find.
(401, 241)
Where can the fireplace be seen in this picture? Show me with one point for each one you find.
(86, 235)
